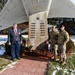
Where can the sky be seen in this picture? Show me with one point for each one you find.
(73, 1)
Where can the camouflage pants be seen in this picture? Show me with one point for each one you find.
(62, 52)
(54, 48)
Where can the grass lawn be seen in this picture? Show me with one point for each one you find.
(55, 68)
(4, 61)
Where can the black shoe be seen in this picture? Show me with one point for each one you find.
(18, 58)
(13, 60)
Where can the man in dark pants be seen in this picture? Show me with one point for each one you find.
(15, 41)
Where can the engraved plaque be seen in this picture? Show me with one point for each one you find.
(38, 31)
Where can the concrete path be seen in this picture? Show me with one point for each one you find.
(27, 66)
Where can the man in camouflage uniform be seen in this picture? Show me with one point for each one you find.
(63, 38)
(53, 37)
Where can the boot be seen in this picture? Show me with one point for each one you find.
(52, 57)
(63, 63)
(60, 61)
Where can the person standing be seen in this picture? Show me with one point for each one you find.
(15, 41)
(53, 37)
(63, 38)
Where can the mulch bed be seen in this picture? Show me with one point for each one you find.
(40, 54)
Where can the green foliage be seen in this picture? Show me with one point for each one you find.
(50, 69)
(60, 72)
(67, 69)
(4, 62)
(71, 62)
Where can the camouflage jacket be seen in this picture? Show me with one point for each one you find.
(53, 37)
(63, 37)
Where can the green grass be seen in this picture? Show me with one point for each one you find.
(55, 68)
(4, 61)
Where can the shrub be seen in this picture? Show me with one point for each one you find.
(70, 46)
(7, 48)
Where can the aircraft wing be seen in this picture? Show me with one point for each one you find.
(18, 11)
(13, 12)
(62, 8)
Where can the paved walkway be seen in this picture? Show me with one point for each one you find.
(27, 66)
